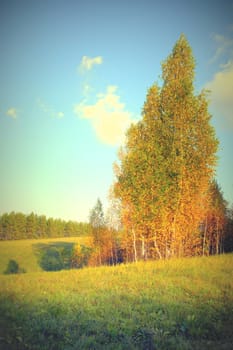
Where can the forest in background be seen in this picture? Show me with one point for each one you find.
(20, 226)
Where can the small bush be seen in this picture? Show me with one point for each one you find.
(13, 267)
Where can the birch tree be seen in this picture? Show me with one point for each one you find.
(167, 164)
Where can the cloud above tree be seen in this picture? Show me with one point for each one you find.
(108, 116)
(221, 86)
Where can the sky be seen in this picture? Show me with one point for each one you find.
(74, 75)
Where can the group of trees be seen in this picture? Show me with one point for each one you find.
(171, 206)
(21, 226)
(109, 245)
(106, 247)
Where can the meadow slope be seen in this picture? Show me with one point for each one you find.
(27, 252)
(175, 304)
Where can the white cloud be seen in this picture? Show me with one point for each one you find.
(87, 63)
(108, 116)
(12, 112)
(221, 88)
(49, 110)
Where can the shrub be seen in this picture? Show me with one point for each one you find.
(13, 267)
(52, 260)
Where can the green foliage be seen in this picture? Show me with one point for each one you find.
(80, 256)
(97, 224)
(51, 260)
(167, 164)
(28, 253)
(97, 215)
(171, 305)
(13, 268)
(20, 226)
(62, 255)
(215, 224)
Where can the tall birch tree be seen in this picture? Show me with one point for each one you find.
(167, 164)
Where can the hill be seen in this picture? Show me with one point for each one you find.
(174, 304)
(27, 252)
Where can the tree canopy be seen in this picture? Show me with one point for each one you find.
(20, 226)
(168, 163)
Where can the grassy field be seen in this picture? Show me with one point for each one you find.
(26, 252)
(175, 304)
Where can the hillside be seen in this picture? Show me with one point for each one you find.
(27, 252)
(175, 304)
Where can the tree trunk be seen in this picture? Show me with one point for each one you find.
(217, 237)
(134, 246)
(112, 256)
(143, 247)
(156, 247)
(204, 237)
(100, 260)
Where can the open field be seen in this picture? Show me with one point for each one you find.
(175, 304)
(26, 252)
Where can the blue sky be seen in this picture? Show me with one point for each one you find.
(74, 75)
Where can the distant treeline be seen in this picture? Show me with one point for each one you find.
(20, 226)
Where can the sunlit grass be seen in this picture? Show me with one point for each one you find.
(23, 251)
(175, 304)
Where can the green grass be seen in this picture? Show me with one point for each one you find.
(176, 304)
(26, 252)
